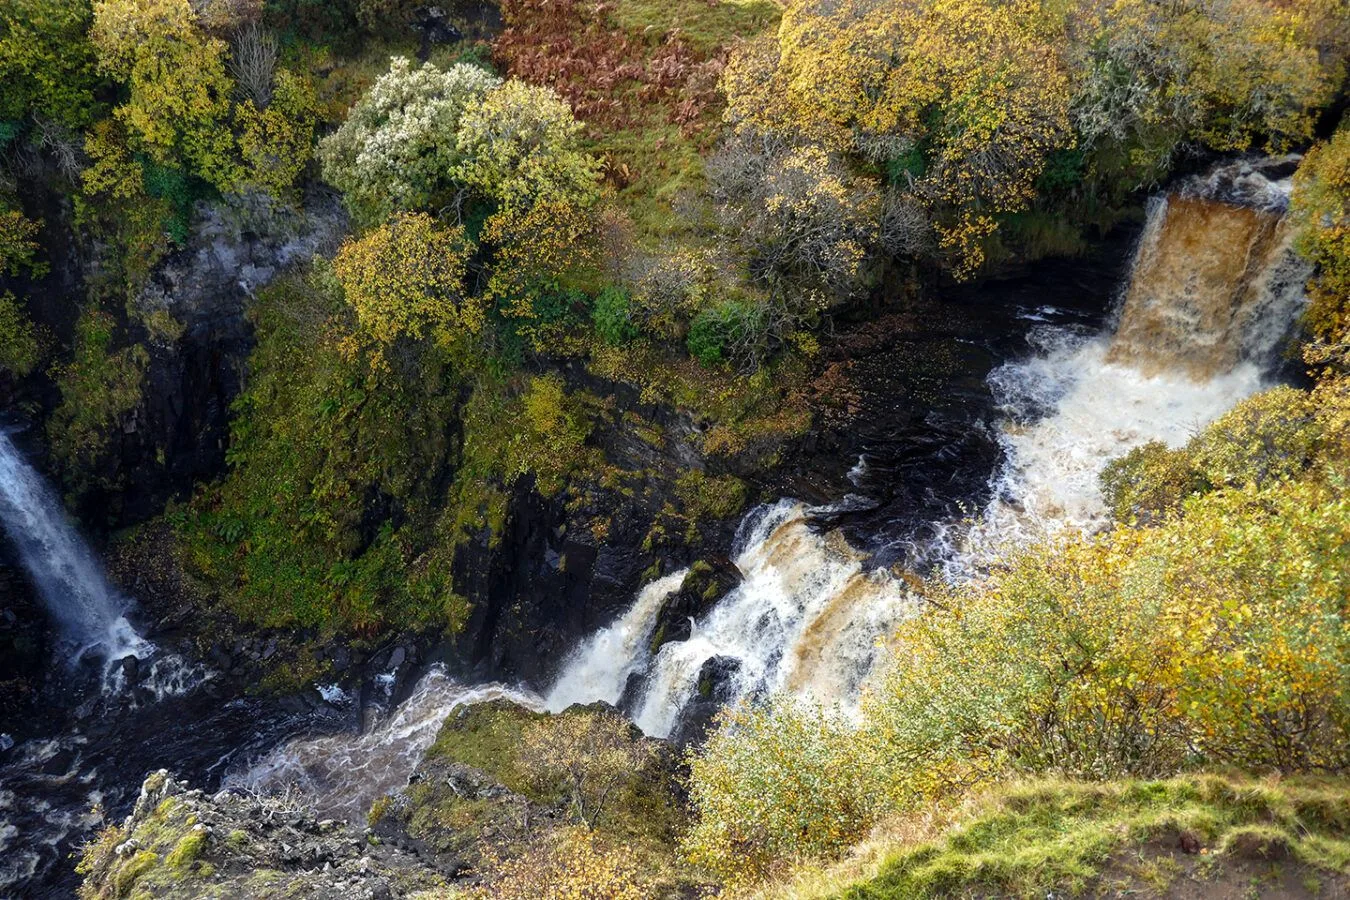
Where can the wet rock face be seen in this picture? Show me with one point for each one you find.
(708, 581)
(181, 843)
(550, 578)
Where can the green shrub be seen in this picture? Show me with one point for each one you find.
(99, 385)
(19, 348)
(732, 331)
(612, 314)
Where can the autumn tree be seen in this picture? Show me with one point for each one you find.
(804, 222)
(594, 753)
(960, 100)
(178, 109)
(405, 280)
(520, 148)
(1151, 77)
(774, 783)
(1321, 207)
(47, 64)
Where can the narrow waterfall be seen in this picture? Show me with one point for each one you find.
(600, 668)
(1213, 290)
(341, 775)
(90, 614)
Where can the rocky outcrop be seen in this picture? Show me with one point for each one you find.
(192, 319)
(181, 843)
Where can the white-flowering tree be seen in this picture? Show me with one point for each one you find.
(399, 147)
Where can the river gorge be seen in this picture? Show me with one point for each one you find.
(983, 429)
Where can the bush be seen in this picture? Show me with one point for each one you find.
(405, 280)
(19, 348)
(1271, 436)
(1149, 483)
(612, 315)
(733, 331)
(399, 146)
(327, 516)
(592, 753)
(99, 385)
(1321, 208)
(772, 784)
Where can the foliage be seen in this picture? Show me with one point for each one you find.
(520, 150)
(46, 63)
(327, 515)
(612, 315)
(593, 752)
(178, 109)
(1275, 435)
(400, 144)
(1321, 208)
(276, 140)
(18, 249)
(570, 864)
(1214, 638)
(732, 331)
(772, 784)
(977, 90)
(19, 347)
(405, 280)
(805, 225)
(1149, 483)
(1152, 76)
(99, 385)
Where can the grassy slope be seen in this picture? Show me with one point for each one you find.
(1201, 836)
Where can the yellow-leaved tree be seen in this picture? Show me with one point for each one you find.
(405, 280)
(962, 100)
(178, 108)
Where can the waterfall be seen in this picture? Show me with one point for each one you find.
(600, 668)
(1213, 290)
(90, 615)
(341, 775)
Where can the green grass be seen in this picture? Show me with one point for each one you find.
(705, 26)
(1062, 836)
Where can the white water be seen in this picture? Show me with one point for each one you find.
(341, 775)
(1214, 288)
(599, 668)
(91, 615)
(805, 619)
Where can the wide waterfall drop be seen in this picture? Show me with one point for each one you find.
(1213, 291)
(89, 613)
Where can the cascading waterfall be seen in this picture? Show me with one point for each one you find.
(1214, 288)
(90, 614)
(341, 775)
(804, 619)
